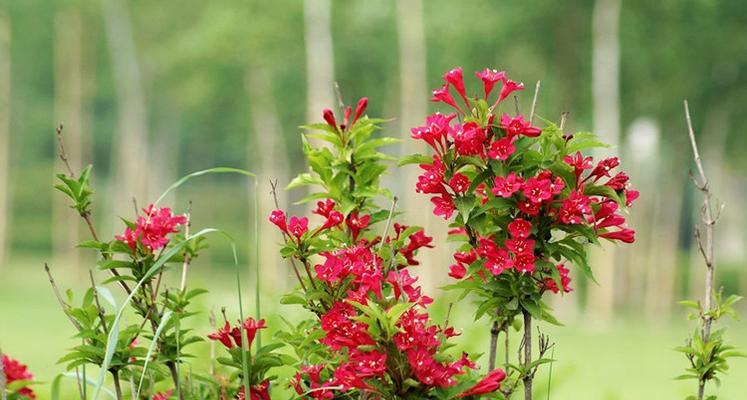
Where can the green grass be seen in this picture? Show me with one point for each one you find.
(625, 359)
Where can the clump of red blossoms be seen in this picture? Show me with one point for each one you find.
(151, 229)
(15, 371)
(538, 184)
(231, 335)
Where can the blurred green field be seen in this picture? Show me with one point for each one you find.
(622, 360)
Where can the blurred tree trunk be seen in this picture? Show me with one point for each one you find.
(5, 195)
(320, 68)
(606, 114)
(68, 110)
(267, 146)
(130, 144)
(413, 109)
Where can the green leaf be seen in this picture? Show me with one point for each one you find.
(415, 159)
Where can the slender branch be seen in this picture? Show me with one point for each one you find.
(705, 244)
(117, 385)
(187, 255)
(102, 317)
(495, 330)
(388, 222)
(527, 354)
(63, 154)
(534, 102)
(563, 119)
(65, 306)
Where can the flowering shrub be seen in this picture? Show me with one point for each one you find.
(372, 335)
(522, 201)
(149, 352)
(16, 379)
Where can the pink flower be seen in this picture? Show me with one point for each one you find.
(298, 226)
(329, 117)
(459, 183)
(357, 223)
(538, 190)
(509, 87)
(152, 228)
(457, 271)
(489, 78)
(278, 218)
(15, 371)
(517, 126)
(442, 94)
(444, 206)
(359, 109)
(454, 78)
(520, 228)
(506, 187)
(501, 149)
(489, 384)
(163, 395)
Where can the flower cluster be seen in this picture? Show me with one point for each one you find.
(152, 228)
(15, 371)
(515, 187)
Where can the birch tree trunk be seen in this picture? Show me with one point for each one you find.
(267, 146)
(130, 144)
(68, 110)
(413, 108)
(606, 114)
(320, 69)
(5, 195)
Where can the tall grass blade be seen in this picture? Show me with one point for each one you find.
(216, 170)
(153, 343)
(244, 337)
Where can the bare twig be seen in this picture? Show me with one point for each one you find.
(102, 317)
(63, 154)
(534, 102)
(495, 330)
(187, 255)
(527, 354)
(388, 222)
(563, 119)
(705, 242)
(63, 304)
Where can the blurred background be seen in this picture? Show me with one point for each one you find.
(149, 91)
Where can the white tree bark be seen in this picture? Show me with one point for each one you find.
(5, 195)
(320, 70)
(68, 110)
(606, 114)
(267, 146)
(413, 109)
(131, 160)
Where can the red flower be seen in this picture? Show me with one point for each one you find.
(223, 335)
(538, 190)
(15, 371)
(506, 187)
(442, 94)
(625, 235)
(520, 246)
(434, 132)
(298, 226)
(618, 182)
(459, 182)
(323, 208)
(468, 139)
(528, 207)
(333, 219)
(605, 166)
(431, 181)
(489, 384)
(251, 327)
(579, 163)
(455, 78)
(466, 257)
(517, 126)
(278, 218)
(520, 228)
(509, 87)
(163, 395)
(575, 208)
(356, 223)
(489, 78)
(565, 280)
(444, 206)
(457, 271)
(524, 262)
(502, 148)
(631, 196)
(359, 109)
(329, 116)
